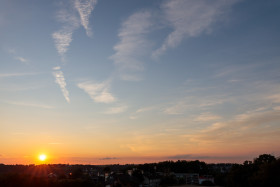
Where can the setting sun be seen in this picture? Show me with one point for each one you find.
(42, 157)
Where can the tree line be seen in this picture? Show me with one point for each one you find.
(263, 171)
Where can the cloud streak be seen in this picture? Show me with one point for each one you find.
(21, 59)
(99, 92)
(63, 36)
(176, 109)
(274, 98)
(7, 75)
(85, 7)
(191, 103)
(249, 129)
(190, 19)
(71, 22)
(30, 104)
(205, 117)
(145, 109)
(133, 45)
(60, 80)
(116, 110)
(108, 158)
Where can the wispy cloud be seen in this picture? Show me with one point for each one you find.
(190, 19)
(7, 75)
(191, 103)
(63, 37)
(16, 56)
(133, 45)
(204, 117)
(116, 110)
(85, 7)
(108, 158)
(249, 114)
(145, 109)
(138, 112)
(60, 80)
(274, 98)
(132, 117)
(70, 22)
(99, 92)
(250, 128)
(23, 60)
(178, 108)
(29, 104)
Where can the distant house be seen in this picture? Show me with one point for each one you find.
(192, 178)
(151, 181)
(206, 178)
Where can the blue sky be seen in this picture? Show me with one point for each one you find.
(152, 79)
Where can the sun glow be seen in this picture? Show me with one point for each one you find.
(42, 157)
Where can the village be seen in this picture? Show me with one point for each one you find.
(145, 175)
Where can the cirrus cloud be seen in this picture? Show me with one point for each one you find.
(85, 7)
(71, 22)
(99, 92)
(116, 110)
(132, 45)
(60, 80)
(190, 19)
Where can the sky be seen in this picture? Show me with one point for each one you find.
(108, 82)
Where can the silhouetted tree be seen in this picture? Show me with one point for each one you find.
(264, 159)
(263, 172)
